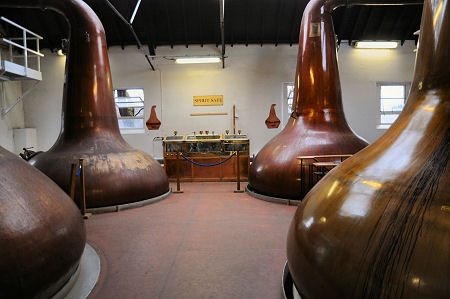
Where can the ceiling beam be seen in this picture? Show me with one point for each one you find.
(183, 8)
(169, 27)
(411, 27)
(398, 27)
(146, 24)
(369, 21)
(277, 37)
(362, 17)
(297, 15)
(200, 20)
(261, 26)
(222, 29)
(344, 24)
(247, 9)
(381, 26)
(230, 13)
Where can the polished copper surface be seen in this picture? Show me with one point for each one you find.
(153, 122)
(42, 234)
(378, 226)
(317, 126)
(272, 122)
(115, 172)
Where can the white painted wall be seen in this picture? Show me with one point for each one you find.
(360, 70)
(252, 80)
(15, 118)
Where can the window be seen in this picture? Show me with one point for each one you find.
(287, 101)
(130, 110)
(392, 100)
(290, 97)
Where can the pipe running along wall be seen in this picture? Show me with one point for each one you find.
(115, 172)
(378, 226)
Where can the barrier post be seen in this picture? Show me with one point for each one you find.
(178, 174)
(73, 176)
(83, 190)
(238, 175)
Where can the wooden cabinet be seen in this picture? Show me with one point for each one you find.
(206, 149)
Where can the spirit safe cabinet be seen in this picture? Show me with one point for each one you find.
(206, 149)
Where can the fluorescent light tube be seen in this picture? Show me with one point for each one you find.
(376, 45)
(198, 60)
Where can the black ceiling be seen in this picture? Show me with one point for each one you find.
(188, 22)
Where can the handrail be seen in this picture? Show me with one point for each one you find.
(20, 46)
(21, 27)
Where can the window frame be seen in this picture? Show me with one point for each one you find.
(285, 103)
(125, 130)
(406, 86)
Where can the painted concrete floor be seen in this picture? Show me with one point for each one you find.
(205, 243)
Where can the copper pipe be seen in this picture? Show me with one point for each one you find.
(42, 234)
(377, 226)
(115, 172)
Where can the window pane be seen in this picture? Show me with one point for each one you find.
(139, 93)
(388, 118)
(393, 91)
(131, 123)
(290, 97)
(130, 104)
(391, 105)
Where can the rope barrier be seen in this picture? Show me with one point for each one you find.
(193, 162)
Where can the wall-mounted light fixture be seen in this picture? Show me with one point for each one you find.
(376, 45)
(185, 60)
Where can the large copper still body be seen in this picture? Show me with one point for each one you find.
(115, 172)
(42, 234)
(317, 125)
(378, 226)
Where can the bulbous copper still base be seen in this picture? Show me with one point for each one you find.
(317, 125)
(115, 173)
(42, 233)
(378, 225)
(275, 171)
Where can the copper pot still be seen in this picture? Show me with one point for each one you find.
(317, 125)
(115, 172)
(272, 122)
(378, 226)
(153, 123)
(42, 233)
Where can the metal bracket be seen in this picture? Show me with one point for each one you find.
(3, 99)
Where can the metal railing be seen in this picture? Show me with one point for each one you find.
(27, 35)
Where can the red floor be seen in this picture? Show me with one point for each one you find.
(205, 243)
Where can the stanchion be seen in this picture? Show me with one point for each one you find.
(178, 174)
(238, 175)
(83, 189)
(73, 175)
